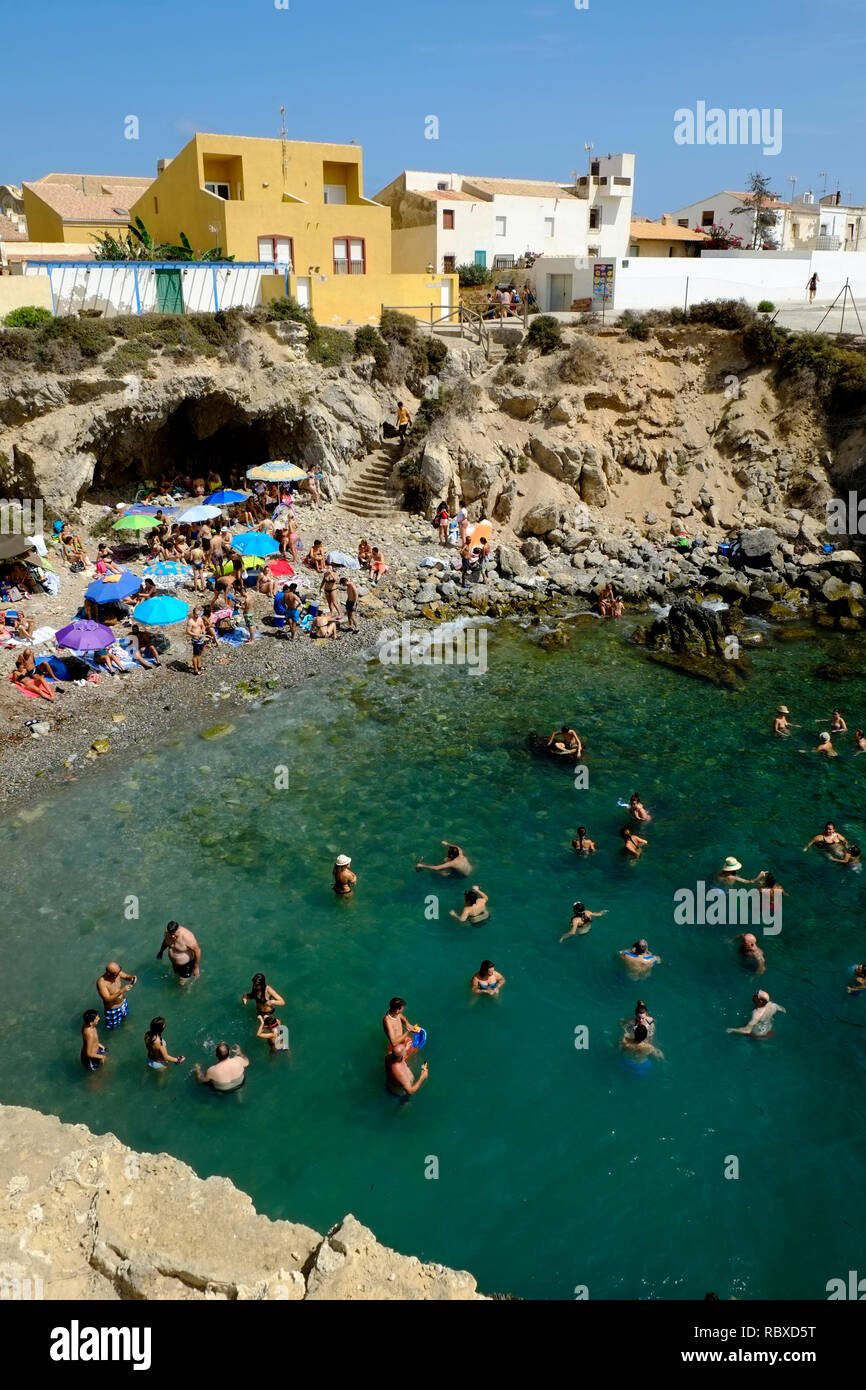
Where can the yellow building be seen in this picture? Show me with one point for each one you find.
(299, 206)
(663, 238)
(79, 207)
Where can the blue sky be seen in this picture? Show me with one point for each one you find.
(518, 86)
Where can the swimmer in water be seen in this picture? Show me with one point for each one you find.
(728, 874)
(454, 865)
(475, 906)
(760, 1025)
(638, 1044)
(487, 979)
(830, 839)
(851, 859)
(860, 741)
(93, 1054)
(639, 959)
(158, 1055)
(399, 1080)
(583, 844)
(824, 745)
(398, 1030)
(228, 1072)
(837, 723)
(781, 724)
(271, 1029)
(859, 983)
(265, 995)
(771, 891)
(750, 952)
(582, 920)
(344, 878)
(566, 740)
(632, 844)
(640, 1017)
(636, 808)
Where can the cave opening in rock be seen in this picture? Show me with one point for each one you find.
(209, 432)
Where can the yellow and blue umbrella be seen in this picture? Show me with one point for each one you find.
(167, 574)
(277, 471)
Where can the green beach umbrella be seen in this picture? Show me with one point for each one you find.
(135, 522)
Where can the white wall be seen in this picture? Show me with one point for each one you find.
(111, 287)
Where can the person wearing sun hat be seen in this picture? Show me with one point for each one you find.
(781, 724)
(344, 878)
(728, 874)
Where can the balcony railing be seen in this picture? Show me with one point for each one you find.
(350, 267)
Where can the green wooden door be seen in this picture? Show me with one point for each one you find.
(481, 258)
(169, 293)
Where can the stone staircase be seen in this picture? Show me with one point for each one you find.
(370, 491)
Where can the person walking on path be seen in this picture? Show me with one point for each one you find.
(812, 286)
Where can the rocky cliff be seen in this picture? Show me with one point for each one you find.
(93, 1219)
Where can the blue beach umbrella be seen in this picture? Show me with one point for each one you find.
(255, 543)
(161, 612)
(227, 498)
(202, 512)
(103, 591)
(167, 574)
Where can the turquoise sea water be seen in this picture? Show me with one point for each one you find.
(558, 1167)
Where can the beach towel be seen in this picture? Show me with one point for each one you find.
(30, 694)
(234, 639)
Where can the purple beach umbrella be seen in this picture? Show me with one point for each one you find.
(84, 636)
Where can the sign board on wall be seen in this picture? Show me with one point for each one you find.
(602, 281)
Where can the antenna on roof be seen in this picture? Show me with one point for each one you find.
(285, 153)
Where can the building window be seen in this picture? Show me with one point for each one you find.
(335, 193)
(278, 249)
(682, 222)
(220, 189)
(500, 226)
(549, 225)
(623, 183)
(594, 167)
(633, 250)
(156, 205)
(448, 219)
(708, 218)
(449, 265)
(443, 187)
(795, 228)
(594, 219)
(593, 251)
(349, 257)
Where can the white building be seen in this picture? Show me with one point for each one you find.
(840, 228)
(141, 287)
(440, 221)
(717, 210)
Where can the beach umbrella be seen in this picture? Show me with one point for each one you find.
(277, 471)
(250, 562)
(167, 574)
(10, 546)
(279, 567)
(149, 509)
(161, 611)
(227, 498)
(200, 512)
(106, 591)
(84, 636)
(134, 521)
(255, 543)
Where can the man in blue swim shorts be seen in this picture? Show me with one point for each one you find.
(113, 993)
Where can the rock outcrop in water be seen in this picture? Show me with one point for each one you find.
(93, 1219)
(693, 639)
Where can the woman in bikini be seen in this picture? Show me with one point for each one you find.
(158, 1055)
(583, 844)
(265, 996)
(636, 808)
(475, 907)
(271, 1029)
(31, 680)
(487, 979)
(632, 844)
(581, 920)
(365, 554)
(328, 587)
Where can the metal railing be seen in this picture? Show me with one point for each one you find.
(346, 267)
(469, 321)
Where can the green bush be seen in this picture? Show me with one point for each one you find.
(397, 328)
(436, 352)
(329, 346)
(545, 333)
(766, 306)
(366, 339)
(723, 313)
(28, 316)
(473, 275)
(287, 308)
(635, 325)
(763, 341)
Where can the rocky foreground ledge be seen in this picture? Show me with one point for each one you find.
(93, 1219)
